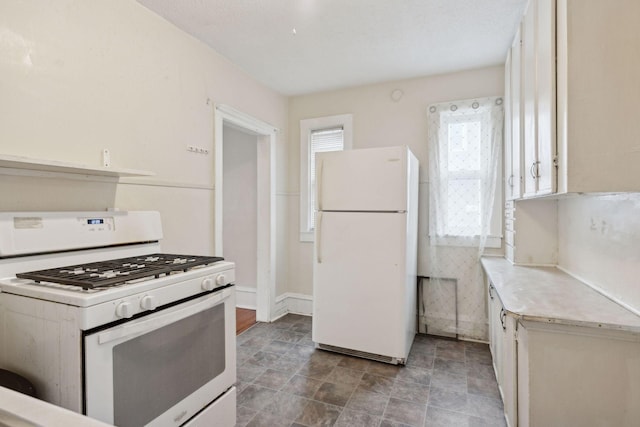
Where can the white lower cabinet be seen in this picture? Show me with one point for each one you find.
(495, 335)
(502, 328)
(564, 354)
(558, 375)
(577, 376)
(508, 387)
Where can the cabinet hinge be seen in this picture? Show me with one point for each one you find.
(555, 161)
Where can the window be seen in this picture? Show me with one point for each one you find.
(321, 140)
(318, 135)
(465, 140)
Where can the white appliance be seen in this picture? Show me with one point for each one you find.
(104, 324)
(365, 255)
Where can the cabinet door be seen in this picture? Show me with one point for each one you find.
(598, 92)
(508, 386)
(508, 133)
(494, 324)
(539, 98)
(529, 101)
(577, 376)
(522, 369)
(495, 321)
(546, 96)
(516, 116)
(492, 321)
(502, 327)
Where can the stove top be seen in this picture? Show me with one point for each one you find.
(119, 271)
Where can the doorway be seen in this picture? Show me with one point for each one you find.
(256, 245)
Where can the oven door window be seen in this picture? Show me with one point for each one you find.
(154, 371)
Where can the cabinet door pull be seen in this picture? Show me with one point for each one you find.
(510, 181)
(490, 293)
(534, 175)
(503, 319)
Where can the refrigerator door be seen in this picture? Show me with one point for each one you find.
(362, 294)
(372, 179)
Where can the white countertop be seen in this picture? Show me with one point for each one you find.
(42, 413)
(550, 295)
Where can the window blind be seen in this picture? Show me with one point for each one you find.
(321, 140)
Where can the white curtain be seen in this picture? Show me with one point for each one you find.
(465, 151)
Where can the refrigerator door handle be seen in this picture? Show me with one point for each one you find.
(319, 237)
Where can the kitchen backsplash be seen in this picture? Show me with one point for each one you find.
(599, 243)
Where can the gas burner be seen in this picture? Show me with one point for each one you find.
(119, 271)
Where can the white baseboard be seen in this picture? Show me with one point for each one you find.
(286, 303)
(292, 303)
(246, 297)
(298, 303)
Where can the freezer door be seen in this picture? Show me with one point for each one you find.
(362, 294)
(362, 180)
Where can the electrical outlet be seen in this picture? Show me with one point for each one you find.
(198, 150)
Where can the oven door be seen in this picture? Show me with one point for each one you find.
(162, 369)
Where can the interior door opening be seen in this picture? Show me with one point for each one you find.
(246, 233)
(239, 206)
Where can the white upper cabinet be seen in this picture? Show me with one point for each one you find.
(508, 143)
(578, 91)
(529, 134)
(512, 131)
(538, 96)
(598, 95)
(545, 170)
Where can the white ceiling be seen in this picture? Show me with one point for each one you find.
(342, 43)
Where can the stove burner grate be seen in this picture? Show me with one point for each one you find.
(118, 271)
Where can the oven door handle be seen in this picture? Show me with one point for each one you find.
(137, 328)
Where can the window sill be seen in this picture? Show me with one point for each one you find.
(306, 236)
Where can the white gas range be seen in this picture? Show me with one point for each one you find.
(103, 323)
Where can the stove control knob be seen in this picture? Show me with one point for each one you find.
(148, 303)
(220, 280)
(208, 284)
(124, 310)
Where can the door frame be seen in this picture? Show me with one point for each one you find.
(266, 203)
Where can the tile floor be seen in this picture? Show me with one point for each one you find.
(284, 381)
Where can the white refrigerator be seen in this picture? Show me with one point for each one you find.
(365, 253)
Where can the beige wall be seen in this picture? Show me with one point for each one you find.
(378, 121)
(80, 76)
